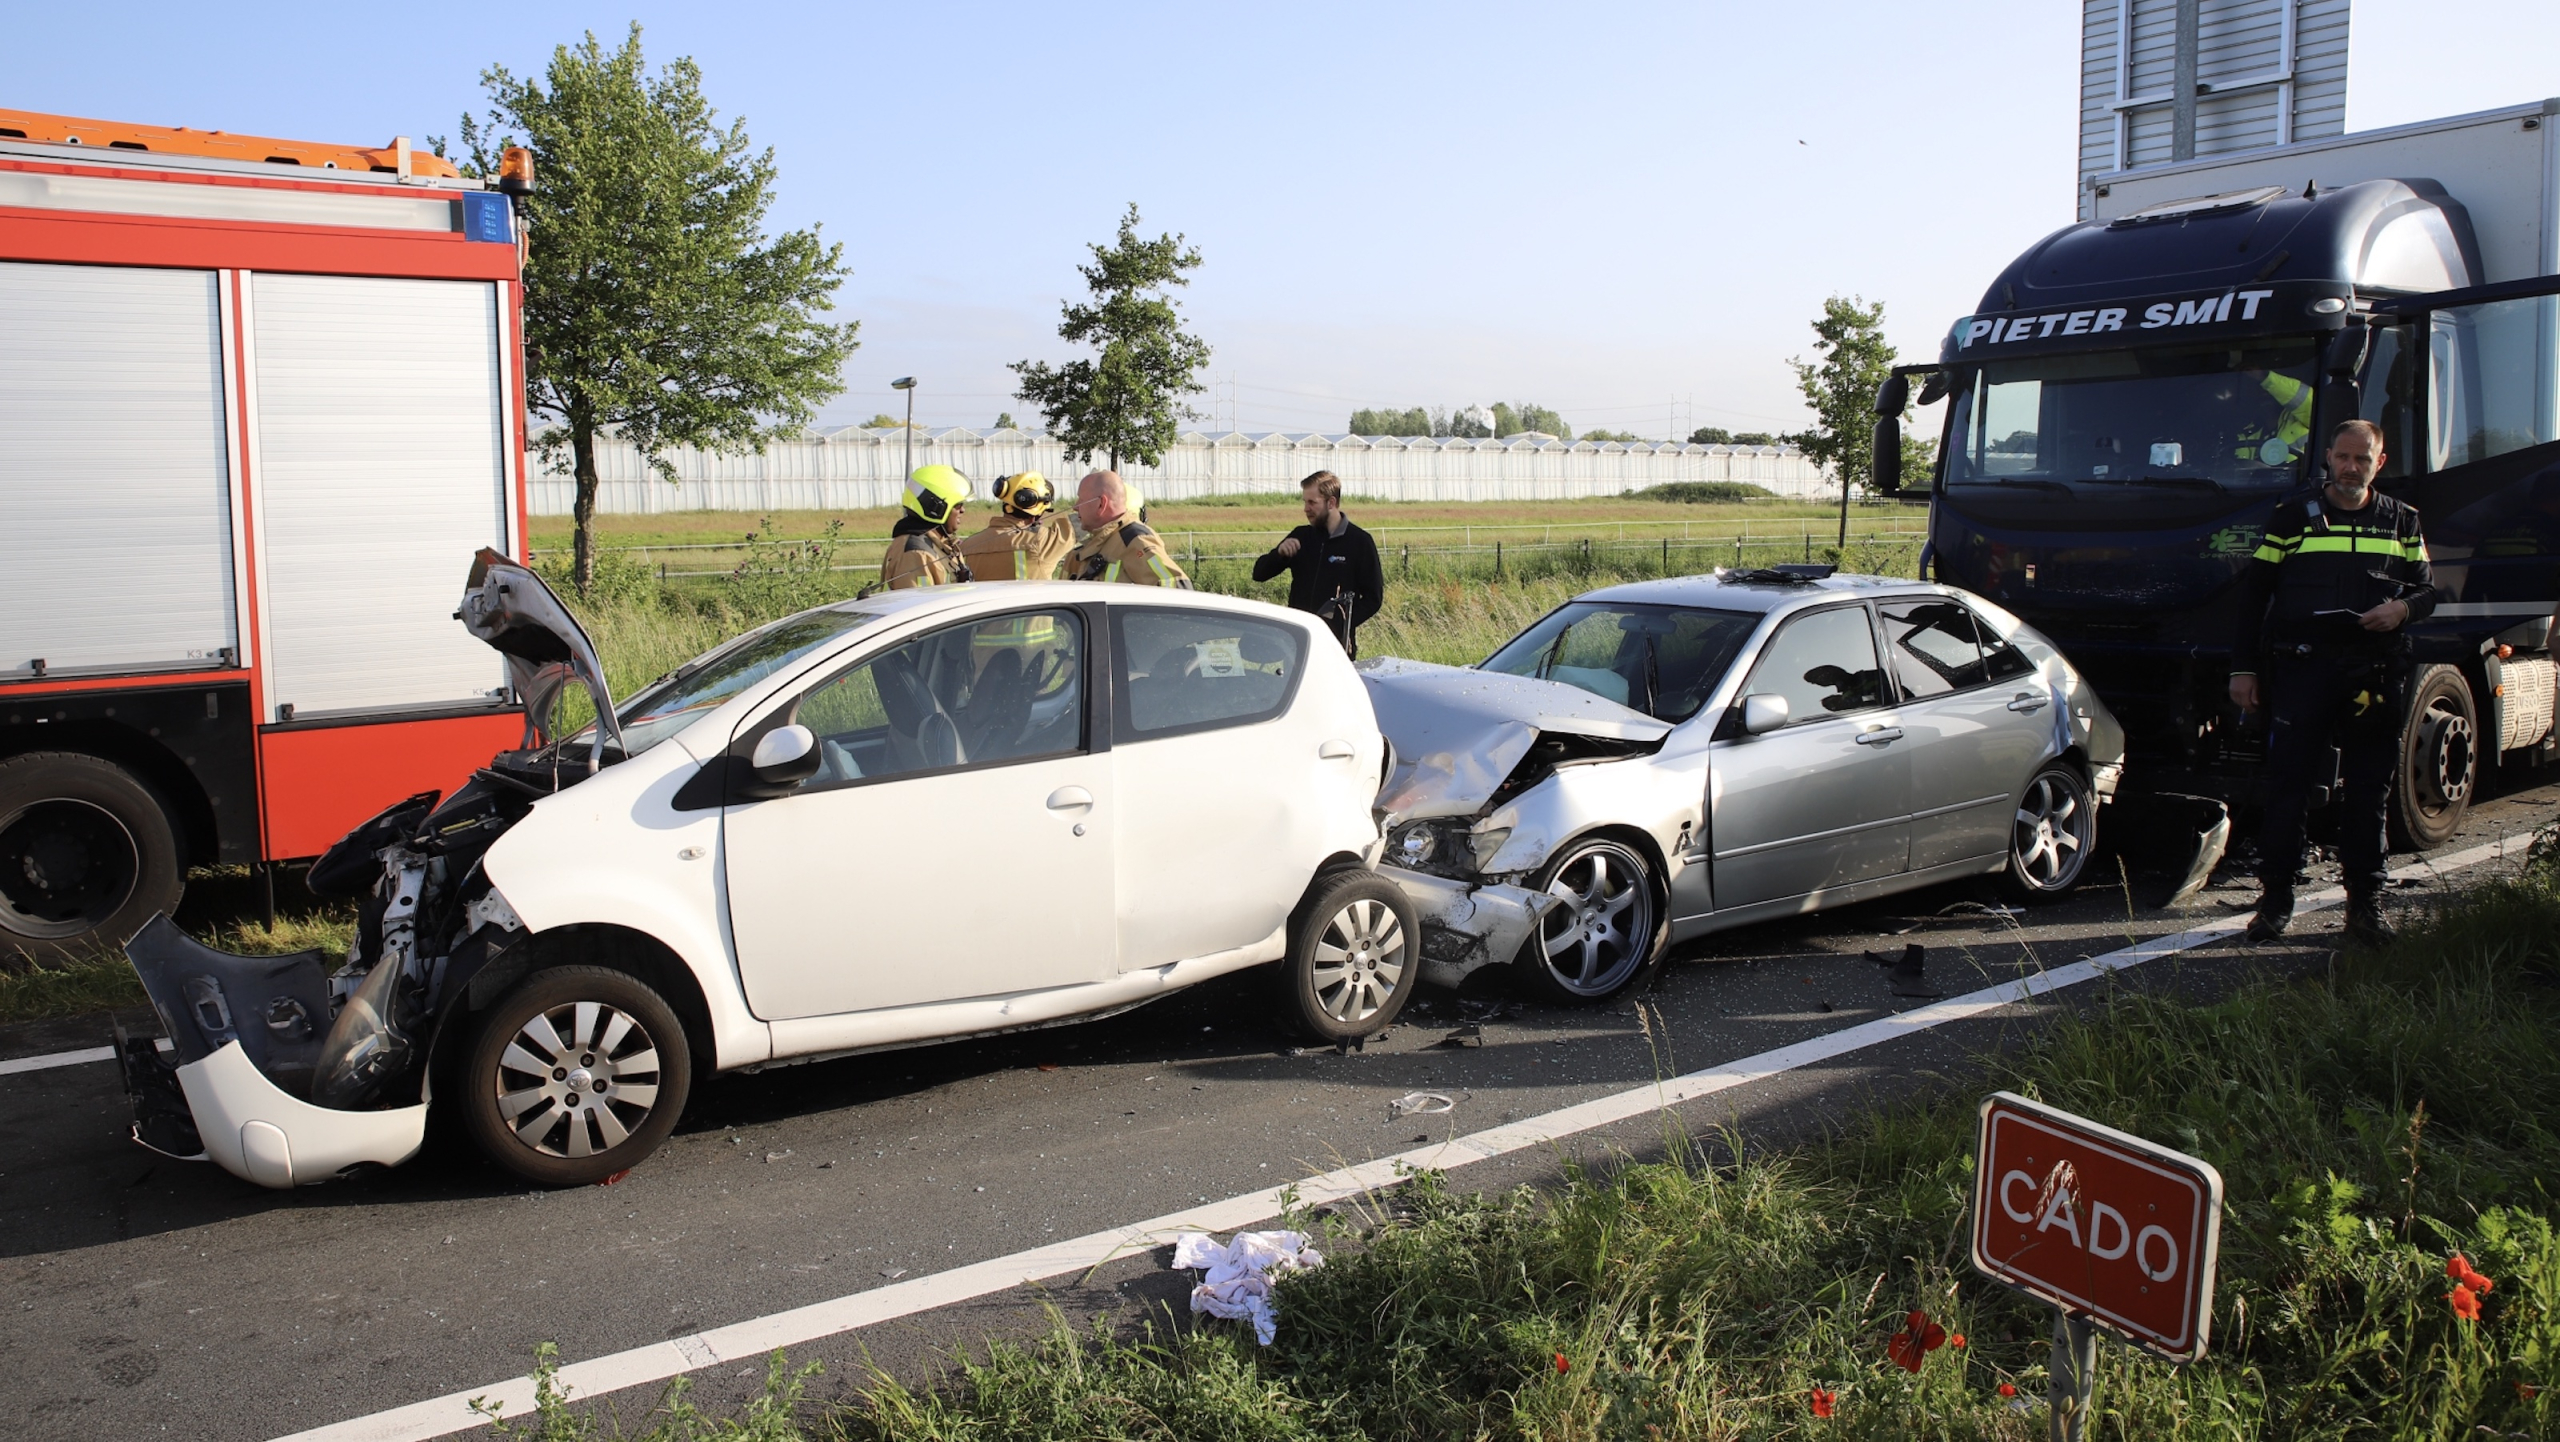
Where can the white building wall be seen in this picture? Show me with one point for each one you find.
(860, 469)
(2268, 72)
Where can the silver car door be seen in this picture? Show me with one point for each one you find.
(1973, 744)
(1823, 801)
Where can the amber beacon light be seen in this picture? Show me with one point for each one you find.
(515, 171)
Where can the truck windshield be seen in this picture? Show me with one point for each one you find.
(2160, 435)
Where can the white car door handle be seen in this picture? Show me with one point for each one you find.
(1335, 751)
(2027, 702)
(1070, 798)
(1880, 736)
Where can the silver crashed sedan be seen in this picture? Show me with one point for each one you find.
(1655, 761)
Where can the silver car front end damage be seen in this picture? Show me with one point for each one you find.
(1467, 926)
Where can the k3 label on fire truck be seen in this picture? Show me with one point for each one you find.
(2101, 1224)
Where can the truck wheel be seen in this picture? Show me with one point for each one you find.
(2439, 760)
(578, 1073)
(1608, 932)
(2053, 834)
(87, 855)
(1355, 952)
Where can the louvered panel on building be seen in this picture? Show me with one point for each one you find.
(115, 484)
(379, 471)
(2098, 85)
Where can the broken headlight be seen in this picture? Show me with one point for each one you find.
(1440, 847)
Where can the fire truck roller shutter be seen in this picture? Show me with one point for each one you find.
(114, 483)
(380, 470)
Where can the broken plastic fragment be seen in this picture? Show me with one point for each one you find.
(1420, 1104)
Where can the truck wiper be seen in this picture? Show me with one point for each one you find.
(2019, 481)
(2180, 482)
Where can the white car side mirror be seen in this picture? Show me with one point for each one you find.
(1762, 712)
(785, 756)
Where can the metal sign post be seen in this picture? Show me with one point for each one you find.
(2119, 1234)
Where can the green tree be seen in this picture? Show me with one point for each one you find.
(1004, 421)
(1127, 398)
(1414, 422)
(883, 421)
(1624, 438)
(655, 305)
(1511, 420)
(1719, 436)
(1852, 360)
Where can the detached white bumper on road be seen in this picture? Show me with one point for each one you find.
(256, 1131)
(1466, 926)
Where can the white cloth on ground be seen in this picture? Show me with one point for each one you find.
(1238, 1284)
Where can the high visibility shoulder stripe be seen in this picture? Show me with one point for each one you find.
(2272, 554)
(2415, 548)
(2363, 543)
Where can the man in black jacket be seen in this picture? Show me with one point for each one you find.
(1332, 564)
(2323, 613)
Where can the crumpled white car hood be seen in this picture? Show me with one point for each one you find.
(1459, 732)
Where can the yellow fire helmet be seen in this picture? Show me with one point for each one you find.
(1027, 494)
(934, 491)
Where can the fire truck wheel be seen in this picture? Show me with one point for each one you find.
(2439, 760)
(87, 856)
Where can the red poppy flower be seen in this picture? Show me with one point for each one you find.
(1918, 1338)
(1956, 1341)
(2527, 1391)
(2008, 1389)
(1562, 1366)
(2459, 1268)
(1821, 1401)
(2466, 1303)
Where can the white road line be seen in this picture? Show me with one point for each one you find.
(50, 1060)
(759, 1335)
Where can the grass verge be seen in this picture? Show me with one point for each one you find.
(2368, 1121)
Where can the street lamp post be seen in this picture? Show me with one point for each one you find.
(908, 384)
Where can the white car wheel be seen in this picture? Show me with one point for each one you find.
(575, 1075)
(1354, 956)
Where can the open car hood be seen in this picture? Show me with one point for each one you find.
(1459, 734)
(508, 606)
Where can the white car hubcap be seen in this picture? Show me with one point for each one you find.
(577, 1079)
(2051, 835)
(1360, 959)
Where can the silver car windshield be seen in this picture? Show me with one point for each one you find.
(681, 697)
(1660, 660)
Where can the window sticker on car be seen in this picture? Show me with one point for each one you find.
(1223, 656)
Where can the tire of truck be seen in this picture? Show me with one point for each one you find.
(577, 1073)
(2439, 760)
(87, 855)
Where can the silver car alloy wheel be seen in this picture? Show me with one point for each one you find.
(577, 1079)
(1604, 930)
(1360, 959)
(2050, 841)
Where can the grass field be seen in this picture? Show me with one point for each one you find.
(1239, 526)
(2370, 1122)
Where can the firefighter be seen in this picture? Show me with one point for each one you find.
(2324, 613)
(1117, 548)
(2261, 441)
(1028, 540)
(920, 546)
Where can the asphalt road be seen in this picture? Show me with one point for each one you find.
(139, 1295)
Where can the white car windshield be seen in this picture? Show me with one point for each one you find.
(681, 697)
(1661, 660)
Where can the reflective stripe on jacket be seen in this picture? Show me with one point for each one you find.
(2316, 564)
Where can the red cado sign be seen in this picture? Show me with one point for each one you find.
(2099, 1223)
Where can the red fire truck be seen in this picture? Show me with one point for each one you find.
(260, 402)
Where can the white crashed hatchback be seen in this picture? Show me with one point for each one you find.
(923, 815)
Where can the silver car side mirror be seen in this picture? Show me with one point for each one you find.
(785, 756)
(1763, 712)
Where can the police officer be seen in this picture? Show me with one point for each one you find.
(2322, 645)
(920, 544)
(1117, 548)
(1027, 541)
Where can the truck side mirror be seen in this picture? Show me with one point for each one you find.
(1894, 396)
(1886, 462)
(2346, 352)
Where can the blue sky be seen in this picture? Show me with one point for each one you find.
(1627, 212)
